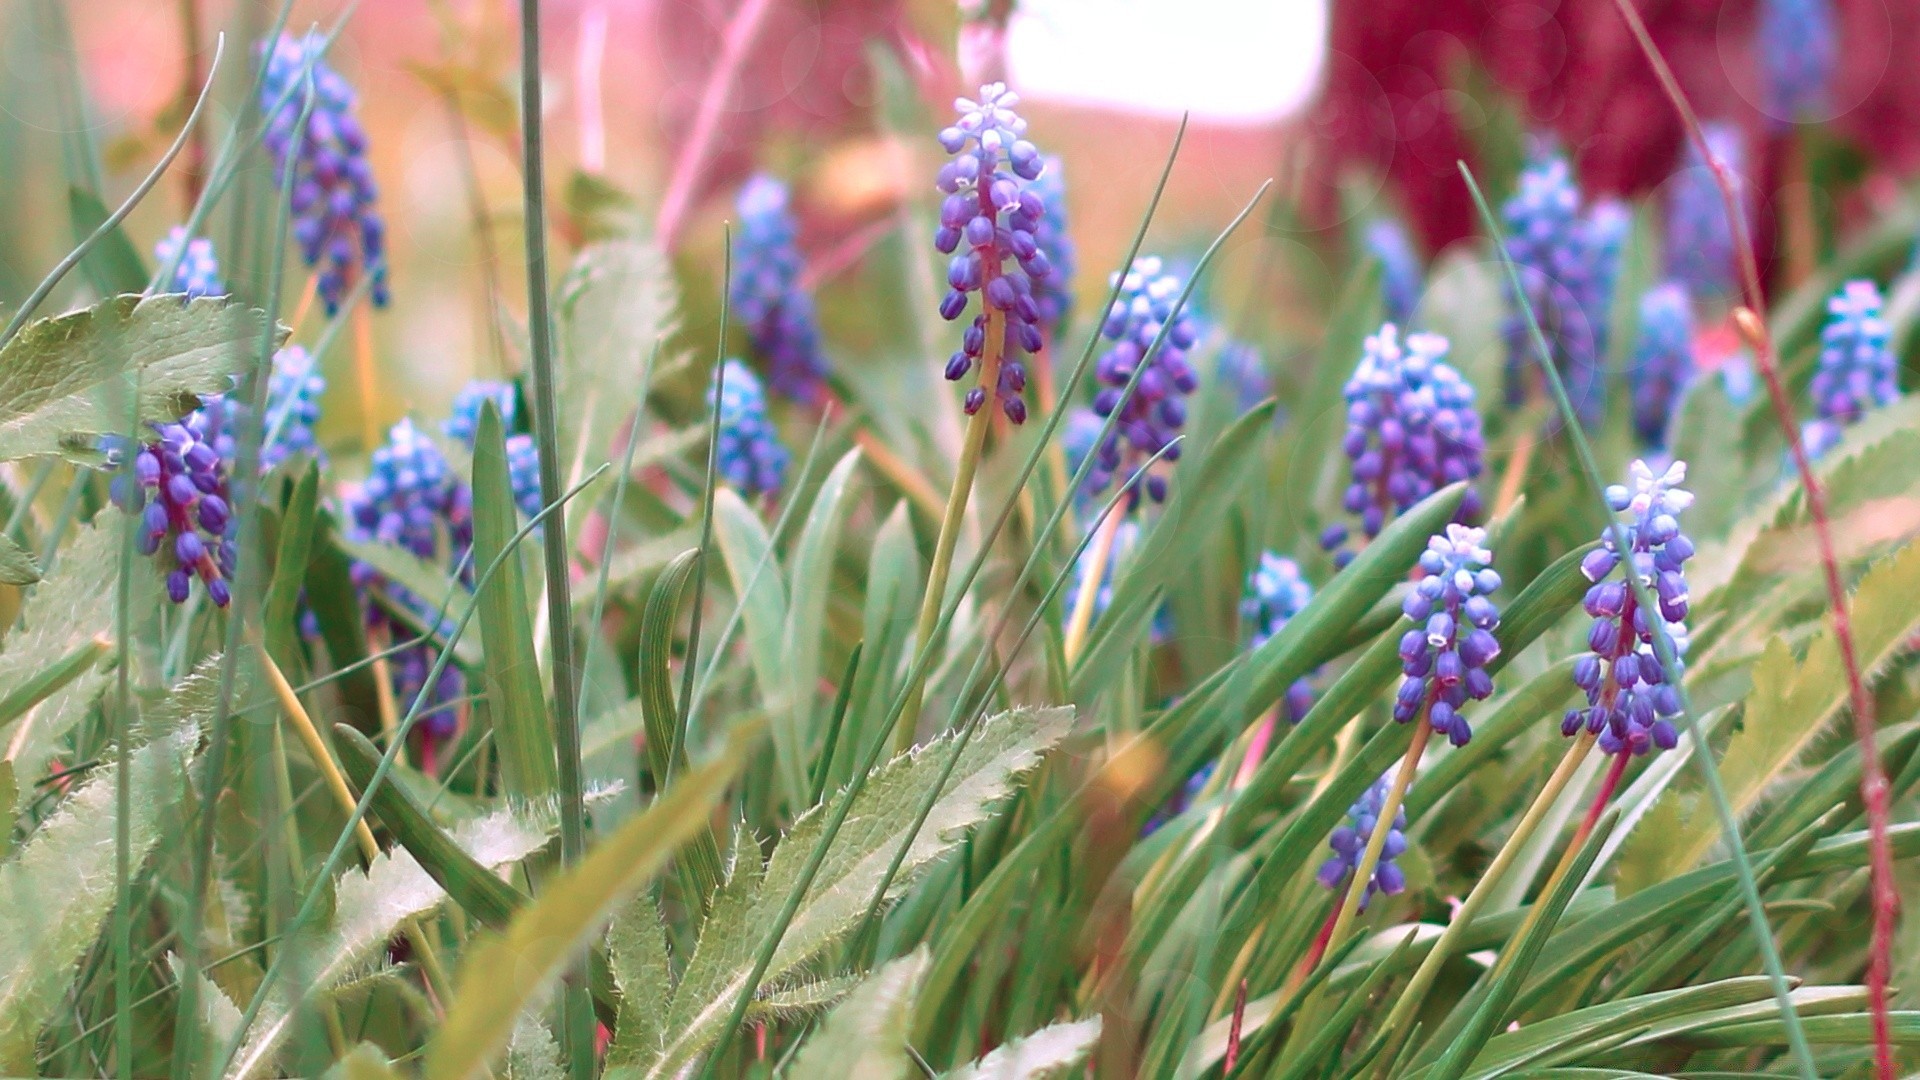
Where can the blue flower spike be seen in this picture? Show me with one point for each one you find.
(1443, 658)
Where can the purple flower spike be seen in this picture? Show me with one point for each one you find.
(1400, 273)
(993, 223)
(750, 455)
(1443, 659)
(181, 492)
(1053, 294)
(1569, 263)
(1857, 371)
(1275, 593)
(198, 271)
(463, 420)
(332, 186)
(1153, 415)
(768, 297)
(1662, 359)
(1630, 704)
(1699, 234)
(1412, 429)
(1799, 53)
(1349, 843)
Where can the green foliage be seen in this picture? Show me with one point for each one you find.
(866, 1034)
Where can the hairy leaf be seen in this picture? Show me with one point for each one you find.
(68, 380)
(615, 303)
(55, 893)
(532, 1053)
(17, 564)
(1004, 748)
(637, 948)
(866, 1034)
(1055, 1051)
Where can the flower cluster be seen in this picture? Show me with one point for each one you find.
(1699, 234)
(1569, 263)
(1349, 844)
(1662, 359)
(1629, 701)
(767, 295)
(197, 273)
(293, 407)
(1400, 277)
(180, 490)
(411, 499)
(1240, 367)
(523, 473)
(750, 454)
(1275, 593)
(1412, 428)
(993, 208)
(333, 190)
(1857, 371)
(1152, 415)
(1053, 294)
(1444, 659)
(1799, 53)
(463, 420)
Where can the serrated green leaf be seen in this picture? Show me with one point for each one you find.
(1053, 1051)
(532, 1053)
(543, 937)
(113, 266)
(17, 564)
(66, 381)
(516, 698)
(637, 951)
(615, 302)
(812, 580)
(64, 627)
(1791, 704)
(56, 891)
(757, 580)
(369, 908)
(866, 1034)
(1004, 748)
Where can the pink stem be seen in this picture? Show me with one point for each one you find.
(587, 64)
(1873, 780)
(691, 162)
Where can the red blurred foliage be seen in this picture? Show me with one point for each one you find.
(1579, 74)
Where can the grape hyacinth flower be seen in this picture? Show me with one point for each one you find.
(767, 295)
(198, 272)
(1388, 242)
(1857, 370)
(1629, 701)
(1699, 234)
(1241, 367)
(1053, 294)
(1444, 658)
(1662, 360)
(333, 190)
(523, 474)
(993, 207)
(1275, 593)
(293, 407)
(180, 490)
(463, 420)
(1799, 53)
(1412, 428)
(1349, 844)
(1150, 418)
(1569, 263)
(750, 454)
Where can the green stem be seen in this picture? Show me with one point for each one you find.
(1409, 1000)
(576, 1008)
(950, 524)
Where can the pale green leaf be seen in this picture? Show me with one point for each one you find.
(71, 608)
(1003, 749)
(67, 380)
(55, 893)
(369, 908)
(504, 973)
(615, 303)
(812, 579)
(219, 1016)
(1052, 1051)
(430, 583)
(747, 551)
(17, 564)
(866, 1034)
(1791, 704)
(532, 1053)
(637, 951)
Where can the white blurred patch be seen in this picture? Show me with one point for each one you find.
(1228, 61)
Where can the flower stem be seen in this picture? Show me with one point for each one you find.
(951, 521)
(364, 379)
(1383, 824)
(1397, 1021)
(1083, 605)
